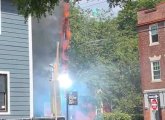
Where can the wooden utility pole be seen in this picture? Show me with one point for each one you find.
(55, 93)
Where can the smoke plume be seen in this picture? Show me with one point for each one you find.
(46, 33)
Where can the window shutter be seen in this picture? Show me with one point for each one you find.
(162, 102)
(146, 103)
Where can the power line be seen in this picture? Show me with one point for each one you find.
(88, 2)
(93, 4)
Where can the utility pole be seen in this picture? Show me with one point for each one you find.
(55, 95)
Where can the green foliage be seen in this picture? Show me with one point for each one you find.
(119, 116)
(104, 58)
(147, 3)
(140, 3)
(36, 8)
(115, 116)
(39, 8)
(137, 117)
(113, 3)
(127, 17)
(104, 55)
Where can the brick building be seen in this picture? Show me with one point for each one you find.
(151, 31)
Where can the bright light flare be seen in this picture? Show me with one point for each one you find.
(64, 81)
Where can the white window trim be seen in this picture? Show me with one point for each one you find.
(155, 58)
(154, 90)
(146, 102)
(30, 66)
(8, 92)
(150, 37)
(152, 59)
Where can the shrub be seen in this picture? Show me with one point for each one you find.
(137, 117)
(114, 116)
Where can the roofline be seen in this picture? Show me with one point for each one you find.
(163, 2)
(151, 22)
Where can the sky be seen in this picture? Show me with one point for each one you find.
(97, 4)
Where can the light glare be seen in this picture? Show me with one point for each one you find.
(64, 81)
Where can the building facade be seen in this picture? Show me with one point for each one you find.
(16, 83)
(151, 31)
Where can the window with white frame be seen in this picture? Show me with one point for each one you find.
(155, 70)
(153, 33)
(4, 92)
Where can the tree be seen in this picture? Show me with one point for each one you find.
(106, 59)
(114, 66)
(112, 43)
(39, 8)
(36, 8)
(127, 17)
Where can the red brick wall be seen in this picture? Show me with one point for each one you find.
(163, 114)
(151, 15)
(147, 51)
(147, 114)
(146, 18)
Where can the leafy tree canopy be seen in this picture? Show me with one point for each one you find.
(127, 17)
(39, 8)
(104, 54)
(103, 58)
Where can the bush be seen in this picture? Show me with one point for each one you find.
(114, 116)
(137, 117)
(119, 116)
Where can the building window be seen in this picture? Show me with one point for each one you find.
(4, 92)
(155, 70)
(153, 34)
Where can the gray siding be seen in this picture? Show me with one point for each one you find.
(14, 57)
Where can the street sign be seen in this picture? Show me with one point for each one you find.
(154, 104)
(153, 96)
(72, 98)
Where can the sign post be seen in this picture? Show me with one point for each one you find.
(72, 99)
(154, 104)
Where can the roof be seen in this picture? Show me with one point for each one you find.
(150, 16)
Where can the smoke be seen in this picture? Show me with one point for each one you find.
(46, 33)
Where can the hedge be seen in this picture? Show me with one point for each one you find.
(120, 116)
(114, 116)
